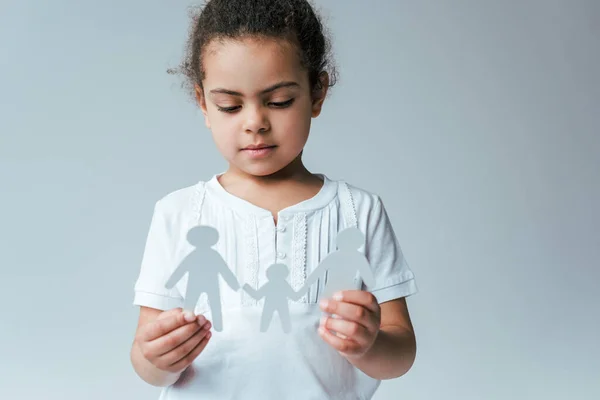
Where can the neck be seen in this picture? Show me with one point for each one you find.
(294, 171)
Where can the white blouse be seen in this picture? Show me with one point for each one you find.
(240, 362)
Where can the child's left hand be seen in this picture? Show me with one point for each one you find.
(359, 323)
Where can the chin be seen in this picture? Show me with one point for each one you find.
(263, 169)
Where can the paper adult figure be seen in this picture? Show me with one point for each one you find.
(343, 266)
(276, 293)
(204, 265)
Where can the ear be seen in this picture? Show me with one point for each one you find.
(202, 103)
(319, 94)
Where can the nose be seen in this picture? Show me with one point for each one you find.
(256, 120)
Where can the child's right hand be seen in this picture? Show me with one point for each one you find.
(174, 339)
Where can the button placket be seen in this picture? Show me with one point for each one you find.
(281, 229)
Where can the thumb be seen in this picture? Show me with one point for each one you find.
(168, 313)
(165, 323)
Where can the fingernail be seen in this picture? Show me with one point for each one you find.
(189, 317)
(324, 303)
(201, 320)
(209, 334)
(337, 296)
(323, 320)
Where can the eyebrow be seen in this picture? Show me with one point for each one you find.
(265, 91)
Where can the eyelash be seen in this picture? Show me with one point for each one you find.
(283, 104)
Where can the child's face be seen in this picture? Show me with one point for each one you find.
(252, 115)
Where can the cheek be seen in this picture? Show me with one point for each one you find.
(295, 121)
(295, 129)
(224, 136)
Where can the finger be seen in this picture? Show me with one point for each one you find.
(349, 311)
(342, 345)
(184, 348)
(358, 297)
(190, 357)
(171, 340)
(168, 313)
(351, 330)
(162, 326)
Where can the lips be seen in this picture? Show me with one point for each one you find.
(258, 151)
(258, 146)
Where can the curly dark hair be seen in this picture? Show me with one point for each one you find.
(293, 20)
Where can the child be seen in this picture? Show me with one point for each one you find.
(276, 293)
(260, 72)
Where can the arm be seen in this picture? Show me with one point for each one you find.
(228, 275)
(392, 344)
(366, 273)
(316, 274)
(292, 294)
(143, 368)
(176, 276)
(394, 350)
(255, 294)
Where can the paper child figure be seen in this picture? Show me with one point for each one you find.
(343, 266)
(276, 293)
(204, 265)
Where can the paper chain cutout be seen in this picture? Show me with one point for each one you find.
(340, 268)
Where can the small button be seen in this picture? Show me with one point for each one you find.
(281, 228)
(281, 255)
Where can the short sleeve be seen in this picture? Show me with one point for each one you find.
(393, 277)
(157, 266)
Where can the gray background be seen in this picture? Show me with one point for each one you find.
(476, 121)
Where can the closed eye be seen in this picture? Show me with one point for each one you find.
(233, 109)
(283, 104)
(228, 109)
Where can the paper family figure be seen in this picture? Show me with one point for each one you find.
(342, 268)
(276, 293)
(203, 266)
